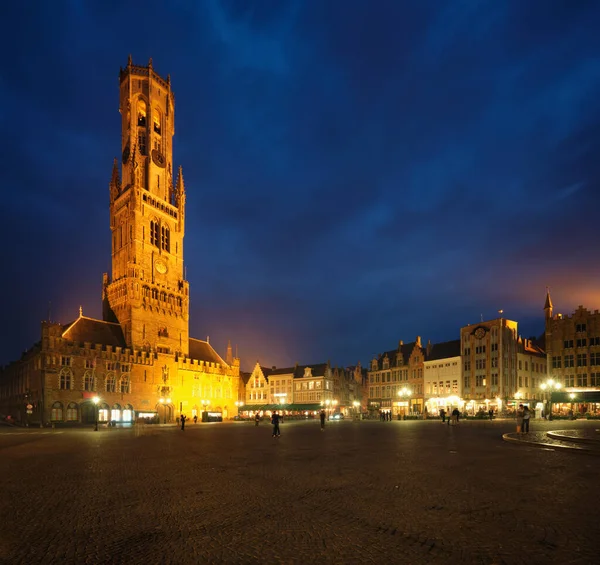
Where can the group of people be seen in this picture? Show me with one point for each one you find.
(453, 418)
(523, 417)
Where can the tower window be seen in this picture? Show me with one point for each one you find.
(156, 120)
(142, 143)
(154, 233)
(165, 239)
(141, 120)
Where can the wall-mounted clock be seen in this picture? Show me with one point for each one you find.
(480, 333)
(158, 158)
(160, 266)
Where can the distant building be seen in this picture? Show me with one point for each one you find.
(442, 377)
(499, 368)
(139, 360)
(573, 357)
(396, 380)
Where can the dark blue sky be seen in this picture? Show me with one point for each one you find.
(357, 172)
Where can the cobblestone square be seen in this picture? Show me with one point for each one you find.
(359, 492)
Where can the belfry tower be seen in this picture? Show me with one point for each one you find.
(147, 293)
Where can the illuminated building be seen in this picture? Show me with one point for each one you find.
(139, 360)
(395, 371)
(573, 350)
(442, 378)
(499, 368)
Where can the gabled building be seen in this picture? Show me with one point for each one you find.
(396, 380)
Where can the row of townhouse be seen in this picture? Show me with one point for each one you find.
(304, 388)
(489, 367)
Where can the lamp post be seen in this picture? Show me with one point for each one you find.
(239, 404)
(548, 387)
(95, 400)
(404, 393)
(205, 404)
(164, 402)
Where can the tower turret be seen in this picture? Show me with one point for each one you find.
(548, 305)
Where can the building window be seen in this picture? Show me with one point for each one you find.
(142, 143)
(568, 343)
(580, 328)
(582, 359)
(65, 379)
(581, 342)
(556, 362)
(165, 239)
(480, 380)
(595, 379)
(494, 379)
(125, 385)
(154, 231)
(467, 365)
(110, 383)
(65, 361)
(595, 340)
(88, 382)
(595, 359)
(467, 382)
(569, 380)
(72, 413)
(156, 120)
(582, 380)
(57, 412)
(569, 361)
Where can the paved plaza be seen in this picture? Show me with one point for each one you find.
(359, 492)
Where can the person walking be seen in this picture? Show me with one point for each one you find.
(322, 416)
(455, 416)
(256, 419)
(520, 416)
(526, 417)
(275, 422)
(183, 419)
(443, 415)
(195, 418)
(491, 413)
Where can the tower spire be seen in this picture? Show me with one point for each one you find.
(229, 358)
(548, 304)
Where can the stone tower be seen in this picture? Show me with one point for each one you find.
(147, 293)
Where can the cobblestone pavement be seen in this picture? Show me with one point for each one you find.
(361, 492)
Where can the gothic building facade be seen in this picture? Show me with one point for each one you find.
(139, 360)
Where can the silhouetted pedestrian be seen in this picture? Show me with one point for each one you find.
(195, 418)
(183, 419)
(322, 416)
(443, 415)
(491, 413)
(275, 422)
(520, 415)
(526, 417)
(256, 419)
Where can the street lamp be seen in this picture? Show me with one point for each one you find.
(547, 387)
(164, 402)
(239, 404)
(95, 400)
(404, 393)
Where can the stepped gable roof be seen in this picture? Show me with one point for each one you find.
(266, 371)
(85, 329)
(533, 348)
(203, 351)
(245, 377)
(444, 350)
(405, 350)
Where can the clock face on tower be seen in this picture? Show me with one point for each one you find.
(160, 266)
(479, 333)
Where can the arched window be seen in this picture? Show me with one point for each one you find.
(115, 413)
(89, 383)
(110, 383)
(127, 415)
(66, 378)
(155, 293)
(141, 119)
(103, 412)
(57, 412)
(125, 384)
(72, 412)
(156, 120)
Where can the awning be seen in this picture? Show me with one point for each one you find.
(278, 407)
(579, 396)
